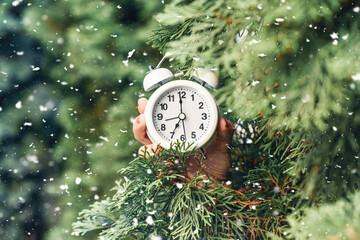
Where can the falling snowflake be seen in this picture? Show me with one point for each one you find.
(356, 77)
(18, 105)
(78, 181)
(149, 220)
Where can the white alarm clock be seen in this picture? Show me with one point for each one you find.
(181, 110)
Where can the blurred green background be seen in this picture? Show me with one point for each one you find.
(70, 75)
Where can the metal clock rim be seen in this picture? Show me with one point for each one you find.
(154, 135)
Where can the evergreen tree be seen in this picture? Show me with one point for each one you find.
(27, 131)
(69, 86)
(292, 70)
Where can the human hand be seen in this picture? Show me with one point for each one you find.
(218, 162)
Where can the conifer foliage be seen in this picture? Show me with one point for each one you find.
(292, 68)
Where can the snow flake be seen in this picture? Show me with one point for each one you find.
(334, 35)
(149, 171)
(32, 158)
(104, 138)
(253, 207)
(149, 201)
(64, 187)
(126, 63)
(221, 42)
(21, 199)
(228, 182)
(262, 55)
(356, 77)
(78, 181)
(335, 42)
(149, 220)
(198, 207)
(239, 222)
(345, 36)
(334, 128)
(130, 53)
(155, 237)
(18, 105)
(152, 212)
(279, 19)
(16, 3)
(179, 185)
(66, 135)
(43, 108)
(253, 83)
(356, 9)
(273, 106)
(135, 222)
(196, 231)
(27, 124)
(34, 68)
(20, 53)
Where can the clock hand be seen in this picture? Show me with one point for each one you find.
(171, 118)
(180, 101)
(176, 126)
(184, 128)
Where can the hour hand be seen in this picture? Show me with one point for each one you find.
(176, 126)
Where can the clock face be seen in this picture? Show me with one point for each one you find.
(184, 113)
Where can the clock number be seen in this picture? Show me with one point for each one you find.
(193, 134)
(182, 94)
(182, 138)
(201, 126)
(204, 116)
(201, 105)
(163, 127)
(163, 106)
(160, 116)
(171, 98)
(172, 134)
(193, 97)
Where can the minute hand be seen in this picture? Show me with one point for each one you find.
(183, 124)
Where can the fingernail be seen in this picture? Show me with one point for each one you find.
(227, 125)
(138, 120)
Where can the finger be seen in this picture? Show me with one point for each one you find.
(224, 135)
(139, 130)
(149, 150)
(141, 105)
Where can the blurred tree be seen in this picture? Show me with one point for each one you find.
(28, 131)
(66, 115)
